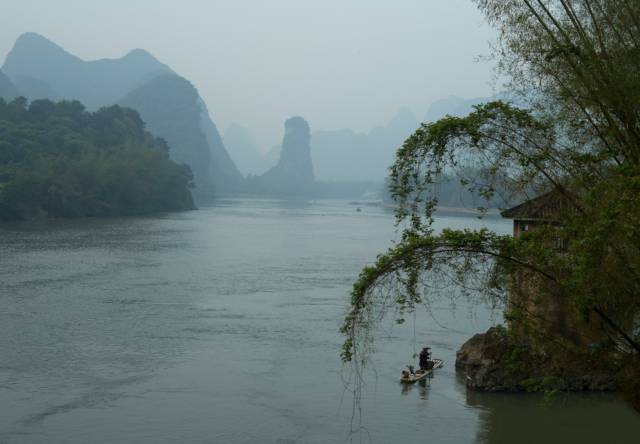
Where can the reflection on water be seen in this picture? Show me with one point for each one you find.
(221, 325)
(421, 387)
(576, 418)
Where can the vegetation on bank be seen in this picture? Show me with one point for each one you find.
(58, 160)
(573, 67)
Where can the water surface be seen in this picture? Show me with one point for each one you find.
(220, 325)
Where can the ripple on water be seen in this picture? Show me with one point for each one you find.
(221, 325)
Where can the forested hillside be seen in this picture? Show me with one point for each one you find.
(169, 104)
(58, 160)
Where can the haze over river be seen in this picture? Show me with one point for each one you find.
(221, 325)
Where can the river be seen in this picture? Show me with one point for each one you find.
(221, 325)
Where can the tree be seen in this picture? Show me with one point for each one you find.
(572, 66)
(57, 160)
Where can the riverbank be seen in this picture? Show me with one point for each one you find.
(440, 210)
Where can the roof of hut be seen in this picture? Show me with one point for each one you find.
(545, 207)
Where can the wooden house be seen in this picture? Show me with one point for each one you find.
(535, 295)
(542, 210)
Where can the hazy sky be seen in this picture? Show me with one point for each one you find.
(338, 63)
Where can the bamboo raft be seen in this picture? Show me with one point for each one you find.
(410, 378)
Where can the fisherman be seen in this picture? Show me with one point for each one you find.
(425, 359)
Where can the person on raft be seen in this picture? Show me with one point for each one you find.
(425, 359)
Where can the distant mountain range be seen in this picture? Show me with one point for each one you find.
(40, 68)
(169, 104)
(172, 109)
(338, 155)
(345, 155)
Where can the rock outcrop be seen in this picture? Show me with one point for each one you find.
(293, 175)
(494, 361)
(483, 360)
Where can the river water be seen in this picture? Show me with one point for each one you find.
(221, 325)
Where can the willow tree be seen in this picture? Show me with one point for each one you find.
(571, 128)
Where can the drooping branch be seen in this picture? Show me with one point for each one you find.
(420, 255)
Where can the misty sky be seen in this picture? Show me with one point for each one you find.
(338, 63)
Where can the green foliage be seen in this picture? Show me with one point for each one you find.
(57, 160)
(573, 67)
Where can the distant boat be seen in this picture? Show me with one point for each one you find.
(410, 378)
(358, 209)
